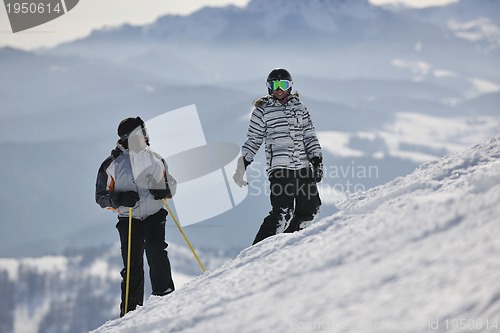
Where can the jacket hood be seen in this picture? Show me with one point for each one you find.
(268, 98)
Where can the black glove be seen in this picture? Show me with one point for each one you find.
(127, 199)
(317, 169)
(160, 194)
(159, 190)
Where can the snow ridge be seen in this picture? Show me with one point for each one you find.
(414, 253)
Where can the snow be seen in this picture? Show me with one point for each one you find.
(480, 29)
(420, 69)
(434, 135)
(484, 86)
(10, 266)
(101, 268)
(26, 321)
(181, 279)
(42, 265)
(337, 143)
(419, 253)
(440, 73)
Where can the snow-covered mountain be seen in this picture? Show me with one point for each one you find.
(419, 253)
(78, 291)
(386, 90)
(258, 20)
(304, 21)
(356, 37)
(462, 11)
(473, 20)
(270, 20)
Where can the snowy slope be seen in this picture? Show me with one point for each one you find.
(418, 253)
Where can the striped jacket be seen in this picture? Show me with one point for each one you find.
(288, 133)
(130, 171)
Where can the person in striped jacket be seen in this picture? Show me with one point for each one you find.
(293, 156)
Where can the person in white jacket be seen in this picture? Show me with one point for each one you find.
(136, 177)
(293, 155)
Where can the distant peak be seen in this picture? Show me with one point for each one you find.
(278, 5)
(8, 51)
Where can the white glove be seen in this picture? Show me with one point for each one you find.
(239, 173)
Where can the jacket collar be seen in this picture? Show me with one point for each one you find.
(285, 101)
(118, 150)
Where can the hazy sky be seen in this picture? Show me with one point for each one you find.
(93, 14)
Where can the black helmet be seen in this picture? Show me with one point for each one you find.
(279, 74)
(128, 125)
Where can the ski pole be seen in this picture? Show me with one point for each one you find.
(183, 234)
(127, 283)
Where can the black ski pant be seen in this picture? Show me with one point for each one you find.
(148, 235)
(294, 200)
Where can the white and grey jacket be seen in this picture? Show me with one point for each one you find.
(288, 133)
(130, 171)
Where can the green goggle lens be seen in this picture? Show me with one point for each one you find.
(277, 84)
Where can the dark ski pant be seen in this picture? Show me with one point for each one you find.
(294, 200)
(148, 235)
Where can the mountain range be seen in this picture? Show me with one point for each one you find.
(77, 290)
(387, 88)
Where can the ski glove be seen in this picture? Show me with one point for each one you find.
(127, 199)
(317, 169)
(158, 190)
(160, 194)
(240, 172)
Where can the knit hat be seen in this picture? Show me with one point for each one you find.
(127, 125)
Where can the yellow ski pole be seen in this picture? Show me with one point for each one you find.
(127, 282)
(183, 234)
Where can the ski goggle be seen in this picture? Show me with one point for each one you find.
(145, 133)
(279, 84)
